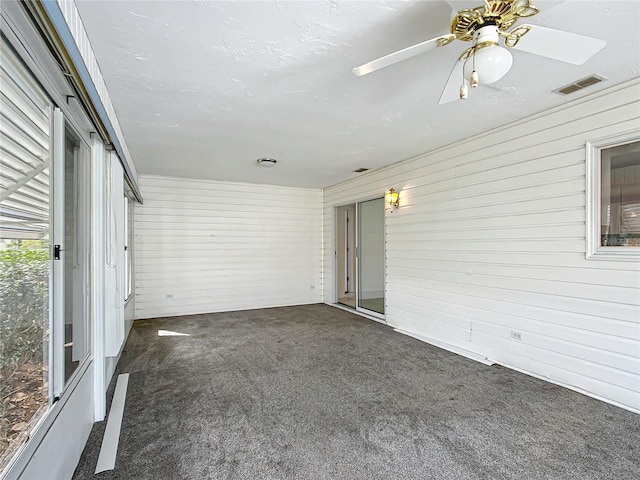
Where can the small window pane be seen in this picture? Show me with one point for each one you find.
(620, 196)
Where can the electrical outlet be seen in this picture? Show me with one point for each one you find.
(515, 335)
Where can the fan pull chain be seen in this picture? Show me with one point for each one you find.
(474, 75)
(464, 91)
(473, 78)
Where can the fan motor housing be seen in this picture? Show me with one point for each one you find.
(501, 13)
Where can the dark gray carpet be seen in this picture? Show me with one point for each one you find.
(314, 392)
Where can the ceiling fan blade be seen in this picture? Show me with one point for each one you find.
(451, 90)
(559, 45)
(401, 55)
(457, 5)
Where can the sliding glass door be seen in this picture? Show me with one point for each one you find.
(71, 250)
(44, 254)
(371, 255)
(360, 256)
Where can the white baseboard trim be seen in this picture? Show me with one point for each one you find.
(447, 346)
(571, 387)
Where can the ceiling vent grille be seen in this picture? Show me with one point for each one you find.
(580, 84)
(360, 170)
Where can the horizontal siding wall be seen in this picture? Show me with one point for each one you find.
(204, 246)
(490, 238)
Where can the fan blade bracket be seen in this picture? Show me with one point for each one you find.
(513, 37)
(445, 40)
(466, 54)
(523, 9)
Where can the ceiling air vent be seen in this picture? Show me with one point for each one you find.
(360, 170)
(580, 84)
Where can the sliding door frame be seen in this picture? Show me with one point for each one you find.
(336, 219)
(58, 376)
(358, 285)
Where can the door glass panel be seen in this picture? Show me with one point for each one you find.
(346, 255)
(371, 255)
(75, 255)
(25, 265)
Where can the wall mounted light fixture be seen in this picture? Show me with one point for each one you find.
(392, 199)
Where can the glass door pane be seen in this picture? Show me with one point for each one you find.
(70, 328)
(346, 259)
(74, 254)
(25, 265)
(371, 255)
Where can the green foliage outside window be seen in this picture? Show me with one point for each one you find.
(24, 296)
(24, 331)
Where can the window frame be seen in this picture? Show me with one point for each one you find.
(31, 91)
(59, 390)
(594, 148)
(128, 242)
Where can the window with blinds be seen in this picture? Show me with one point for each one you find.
(620, 196)
(613, 191)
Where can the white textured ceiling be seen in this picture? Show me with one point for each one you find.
(202, 89)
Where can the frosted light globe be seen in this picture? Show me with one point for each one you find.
(491, 63)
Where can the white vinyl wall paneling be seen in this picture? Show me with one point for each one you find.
(489, 242)
(204, 246)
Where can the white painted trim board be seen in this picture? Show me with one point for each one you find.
(109, 448)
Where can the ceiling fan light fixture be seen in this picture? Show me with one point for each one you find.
(486, 61)
(491, 64)
(266, 162)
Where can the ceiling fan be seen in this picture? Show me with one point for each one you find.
(486, 61)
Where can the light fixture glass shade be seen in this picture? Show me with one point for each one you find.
(266, 162)
(492, 63)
